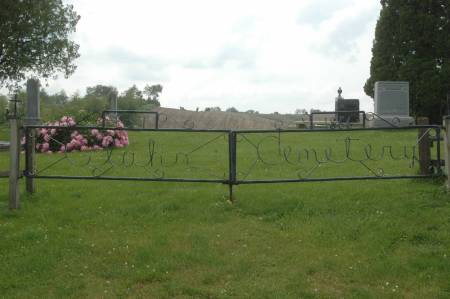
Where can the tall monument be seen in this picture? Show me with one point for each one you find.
(391, 103)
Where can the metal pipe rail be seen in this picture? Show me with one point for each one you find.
(232, 178)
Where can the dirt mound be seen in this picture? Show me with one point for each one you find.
(174, 118)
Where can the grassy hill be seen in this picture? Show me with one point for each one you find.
(174, 118)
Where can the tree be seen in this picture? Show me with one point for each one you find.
(251, 111)
(412, 42)
(34, 40)
(59, 98)
(152, 93)
(133, 93)
(300, 111)
(101, 91)
(231, 109)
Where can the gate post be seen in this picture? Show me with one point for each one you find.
(424, 146)
(447, 148)
(32, 118)
(14, 159)
(232, 162)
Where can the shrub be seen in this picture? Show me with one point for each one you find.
(62, 139)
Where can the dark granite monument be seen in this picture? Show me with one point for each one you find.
(347, 110)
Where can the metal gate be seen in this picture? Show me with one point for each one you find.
(243, 156)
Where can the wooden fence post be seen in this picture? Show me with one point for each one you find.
(14, 159)
(424, 146)
(447, 149)
(32, 118)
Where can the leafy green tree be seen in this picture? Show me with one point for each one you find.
(231, 109)
(412, 42)
(130, 99)
(251, 111)
(59, 98)
(52, 105)
(152, 93)
(133, 93)
(101, 91)
(35, 39)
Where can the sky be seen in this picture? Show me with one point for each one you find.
(262, 55)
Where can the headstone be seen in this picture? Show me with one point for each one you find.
(33, 108)
(113, 101)
(347, 110)
(391, 104)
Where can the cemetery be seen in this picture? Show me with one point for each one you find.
(354, 185)
(115, 192)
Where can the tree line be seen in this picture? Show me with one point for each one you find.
(89, 107)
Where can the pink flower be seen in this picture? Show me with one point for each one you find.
(107, 140)
(69, 147)
(84, 148)
(110, 132)
(72, 123)
(45, 147)
(75, 143)
(79, 137)
(53, 131)
(43, 131)
(99, 137)
(62, 148)
(117, 143)
(47, 138)
(38, 145)
(64, 119)
(94, 132)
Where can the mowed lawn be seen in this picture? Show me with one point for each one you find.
(360, 239)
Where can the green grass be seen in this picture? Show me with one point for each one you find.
(91, 239)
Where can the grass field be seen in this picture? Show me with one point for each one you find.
(93, 239)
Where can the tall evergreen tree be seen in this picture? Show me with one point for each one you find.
(412, 43)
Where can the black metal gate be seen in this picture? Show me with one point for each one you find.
(243, 156)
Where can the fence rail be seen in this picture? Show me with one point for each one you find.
(346, 119)
(246, 156)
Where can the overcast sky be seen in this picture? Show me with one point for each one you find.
(262, 55)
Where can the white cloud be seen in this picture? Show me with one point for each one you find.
(262, 55)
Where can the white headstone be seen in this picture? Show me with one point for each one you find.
(391, 104)
(392, 98)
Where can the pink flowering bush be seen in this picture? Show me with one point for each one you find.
(68, 140)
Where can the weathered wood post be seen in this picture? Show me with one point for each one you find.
(32, 118)
(14, 157)
(424, 146)
(447, 148)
